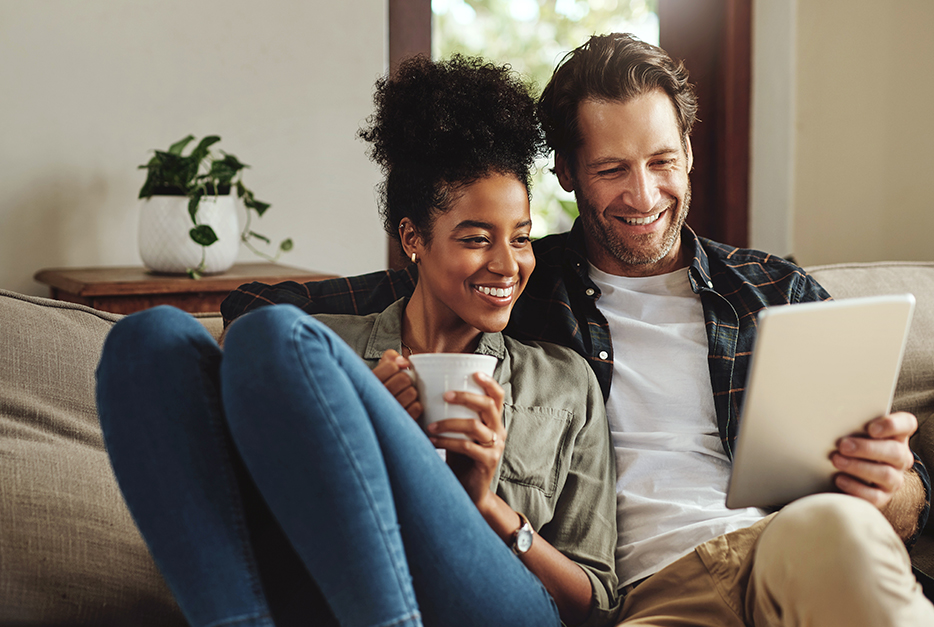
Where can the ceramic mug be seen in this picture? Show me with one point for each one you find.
(436, 373)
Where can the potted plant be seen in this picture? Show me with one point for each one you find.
(189, 218)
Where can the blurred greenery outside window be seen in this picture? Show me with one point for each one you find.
(533, 36)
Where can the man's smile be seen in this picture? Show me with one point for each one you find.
(642, 221)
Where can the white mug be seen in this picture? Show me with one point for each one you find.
(436, 373)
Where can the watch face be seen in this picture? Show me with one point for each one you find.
(524, 539)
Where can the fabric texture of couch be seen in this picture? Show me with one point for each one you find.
(69, 551)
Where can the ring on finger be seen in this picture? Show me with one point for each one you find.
(490, 443)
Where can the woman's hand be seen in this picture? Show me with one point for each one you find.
(392, 371)
(475, 459)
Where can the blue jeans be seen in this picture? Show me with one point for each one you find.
(280, 473)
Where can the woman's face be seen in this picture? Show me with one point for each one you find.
(480, 256)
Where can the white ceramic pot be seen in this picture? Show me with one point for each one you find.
(164, 243)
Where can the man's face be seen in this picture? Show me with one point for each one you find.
(631, 184)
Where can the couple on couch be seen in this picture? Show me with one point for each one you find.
(279, 481)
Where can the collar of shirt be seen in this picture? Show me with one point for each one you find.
(575, 259)
(387, 334)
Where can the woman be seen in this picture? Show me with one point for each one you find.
(285, 453)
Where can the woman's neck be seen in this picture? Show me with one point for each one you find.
(425, 329)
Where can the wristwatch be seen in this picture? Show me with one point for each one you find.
(522, 537)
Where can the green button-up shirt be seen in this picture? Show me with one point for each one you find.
(558, 466)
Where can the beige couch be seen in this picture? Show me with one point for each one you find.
(69, 551)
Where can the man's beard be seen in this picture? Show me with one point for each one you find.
(601, 234)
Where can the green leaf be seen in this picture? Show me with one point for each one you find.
(193, 202)
(203, 235)
(259, 206)
(149, 187)
(193, 273)
(201, 150)
(286, 245)
(241, 190)
(168, 174)
(179, 146)
(262, 237)
(233, 162)
(222, 171)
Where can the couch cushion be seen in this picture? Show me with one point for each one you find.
(69, 550)
(915, 389)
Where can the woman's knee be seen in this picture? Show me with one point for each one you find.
(270, 337)
(266, 326)
(152, 334)
(262, 353)
(151, 359)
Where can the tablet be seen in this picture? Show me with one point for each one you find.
(819, 371)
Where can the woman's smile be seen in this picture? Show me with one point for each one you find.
(497, 294)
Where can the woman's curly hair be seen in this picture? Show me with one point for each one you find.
(440, 126)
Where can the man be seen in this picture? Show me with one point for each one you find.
(667, 321)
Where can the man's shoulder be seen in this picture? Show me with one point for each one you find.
(360, 295)
(740, 257)
(780, 280)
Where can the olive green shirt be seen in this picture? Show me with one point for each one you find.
(558, 466)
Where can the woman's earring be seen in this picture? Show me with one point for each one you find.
(414, 258)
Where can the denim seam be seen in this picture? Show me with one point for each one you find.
(348, 449)
(402, 619)
(239, 620)
(225, 439)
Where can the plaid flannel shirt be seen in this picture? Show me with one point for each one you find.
(559, 305)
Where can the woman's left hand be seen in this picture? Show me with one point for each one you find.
(475, 459)
(392, 371)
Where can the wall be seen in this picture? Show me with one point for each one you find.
(772, 137)
(864, 153)
(856, 116)
(90, 87)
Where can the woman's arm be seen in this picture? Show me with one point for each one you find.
(475, 465)
(564, 579)
(474, 461)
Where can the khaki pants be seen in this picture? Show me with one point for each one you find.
(825, 561)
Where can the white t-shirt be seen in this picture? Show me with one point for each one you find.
(672, 468)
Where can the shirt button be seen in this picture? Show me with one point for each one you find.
(590, 291)
(710, 284)
(603, 355)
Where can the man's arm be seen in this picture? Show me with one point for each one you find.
(878, 467)
(360, 295)
(905, 506)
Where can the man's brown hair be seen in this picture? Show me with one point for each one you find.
(606, 68)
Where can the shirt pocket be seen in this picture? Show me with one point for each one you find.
(539, 437)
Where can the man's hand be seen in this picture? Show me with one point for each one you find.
(873, 466)
(391, 370)
(877, 467)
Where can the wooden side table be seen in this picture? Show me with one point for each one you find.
(124, 290)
